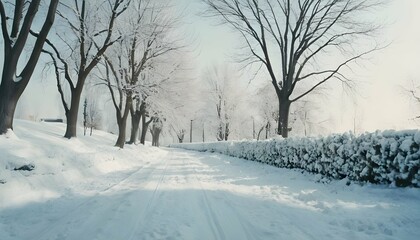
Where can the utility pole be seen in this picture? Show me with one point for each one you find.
(85, 116)
(191, 131)
(203, 131)
(253, 128)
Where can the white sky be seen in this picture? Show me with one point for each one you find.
(380, 103)
(379, 106)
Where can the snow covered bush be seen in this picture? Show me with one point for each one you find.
(388, 157)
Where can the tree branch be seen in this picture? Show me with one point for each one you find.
(4, 30)
(335, 72)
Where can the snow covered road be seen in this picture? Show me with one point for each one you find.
(186, 195)
(178, 194)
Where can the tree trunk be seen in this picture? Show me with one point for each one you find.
(10, 91)
(180, 135)
(267, 130)
(220, 136)
(157, 135)
(144, 127)
(135, 122)
(283, 123)
(122, 122)
(260, 131)
(227, 131)
(8, 102)
(155, 131)
(72, 114)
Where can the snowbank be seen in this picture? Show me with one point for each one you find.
(58, 165)
(388, 157)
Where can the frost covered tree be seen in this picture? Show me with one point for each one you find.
(167, 109)
(308, 118)
(412, 90)
(119, 83)
(224, 96)
(91, 116)
(85, 33)
(154, 41)
(156, 130)
(290, 38)
(180, 134)
(16, 25)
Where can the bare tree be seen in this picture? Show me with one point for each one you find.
(88, 33)
(144, 124)
(412, 90)
(308, 118)
(300, 32)
(224, 98)
(121, 85)
(168, 108)
(133, 64)
(267, 110)
(154, 40)
(15, 36)
(156, 130)
(180, 134)
(91, 116)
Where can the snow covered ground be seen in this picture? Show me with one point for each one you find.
(86, 189)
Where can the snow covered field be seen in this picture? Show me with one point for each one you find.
(86, 189)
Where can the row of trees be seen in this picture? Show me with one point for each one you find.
(130, 47)
(15, 28)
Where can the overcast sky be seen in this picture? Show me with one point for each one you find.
(380, 103)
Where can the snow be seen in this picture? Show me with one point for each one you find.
(17, 79)
(417, 137)
(389, 157)
(86, 189)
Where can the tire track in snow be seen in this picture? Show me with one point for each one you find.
(211, 216)
(134, 196)
(233, 216)
(151, 205)
(75, 213)
(213, 219)
(131, 174)
(292, 223)
(246, 226)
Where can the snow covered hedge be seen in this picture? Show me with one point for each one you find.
(389, 157)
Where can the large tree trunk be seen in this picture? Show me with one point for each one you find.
(155, 131)
(10, 91)
(135, 122)
(72, 114)
(8, 102)
(283, 123)
(144, 127)
(122, 122)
